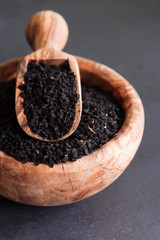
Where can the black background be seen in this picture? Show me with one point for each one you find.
(124, 35)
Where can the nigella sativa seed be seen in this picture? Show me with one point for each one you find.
(49, 96)
(102, 117)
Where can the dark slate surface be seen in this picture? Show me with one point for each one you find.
(124, 34)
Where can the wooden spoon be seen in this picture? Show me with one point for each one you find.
(48, 32)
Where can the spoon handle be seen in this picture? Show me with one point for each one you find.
(47, 29)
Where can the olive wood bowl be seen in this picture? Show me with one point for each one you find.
(74, 181)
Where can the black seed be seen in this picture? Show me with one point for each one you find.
(51, 163)
(49, 91)
(100, 112)
(74, 152)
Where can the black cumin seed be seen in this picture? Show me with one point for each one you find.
(100, 111)
(49, 94)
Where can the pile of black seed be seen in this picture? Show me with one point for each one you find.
(49, 94)
(102, 117)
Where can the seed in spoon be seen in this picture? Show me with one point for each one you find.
(49, 96)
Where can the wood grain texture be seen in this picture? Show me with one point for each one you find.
(47, 29)
(74, 181)
(48, 32)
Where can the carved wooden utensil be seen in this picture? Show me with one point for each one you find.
(48, 32)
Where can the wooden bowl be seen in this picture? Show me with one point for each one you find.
(74, 181)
